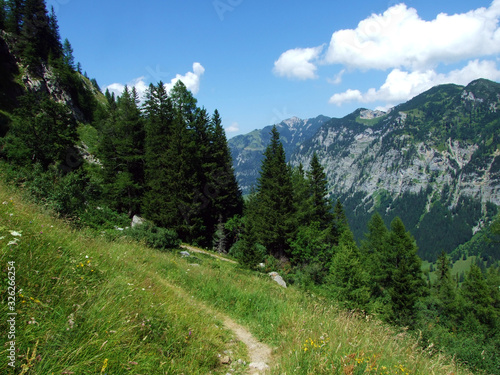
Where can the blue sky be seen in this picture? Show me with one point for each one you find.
(261, 61)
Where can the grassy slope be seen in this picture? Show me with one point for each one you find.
(91, 306)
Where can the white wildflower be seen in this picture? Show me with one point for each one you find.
(15, 234)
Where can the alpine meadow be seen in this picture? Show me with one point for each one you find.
(136, 238)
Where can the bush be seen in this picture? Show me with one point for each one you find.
(154, 236)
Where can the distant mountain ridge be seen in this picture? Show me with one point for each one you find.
(434, 161)
(247, 150)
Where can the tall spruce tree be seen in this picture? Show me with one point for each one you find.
(158, 132)
(14, 16)
(373, 249)
(222, 186)
(121, 153)
(348, 279)
(36, 34)
(42, 131)
(445, 289)
(319, 193)
(68, 58)
(273, 216)
(338, 224)
(406, 283)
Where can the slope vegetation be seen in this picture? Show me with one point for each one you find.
(88, 305)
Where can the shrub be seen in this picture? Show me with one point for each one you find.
(154, 236)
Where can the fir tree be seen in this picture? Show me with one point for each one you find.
(445, 289)
(14, 16)
(55, 45)
(406, 284)
(68, 58)
(41, 132)
(36, 34)
(477, 301)
(302, 196)
(348, 279)
(319, 199)
(274, 212)
(374, 248)
(339, 223)
(222, 186)
(121, 154)
(158, 129)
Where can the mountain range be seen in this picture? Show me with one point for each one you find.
(434, 161)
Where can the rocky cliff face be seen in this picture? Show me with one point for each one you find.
(411, 149)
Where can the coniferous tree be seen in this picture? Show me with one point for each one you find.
(406, 282)
(55, 45)
(319, 189)
(302, 196)
(445, 289)
(274, 213)
(41, 132)
(222, 186)
(374, 249)
(68, 58)
(14, 16)
(477, 305)
(36, 34)
(121, 154)
(158, 131)
(339, 223)
(348, 279)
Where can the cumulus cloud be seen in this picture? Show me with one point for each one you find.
(399, 38)
(297, 63)
(235, 127)
(191, 80)
(403, 85)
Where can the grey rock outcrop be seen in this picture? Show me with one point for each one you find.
(278, 279)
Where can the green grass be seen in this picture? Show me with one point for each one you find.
(91, 306)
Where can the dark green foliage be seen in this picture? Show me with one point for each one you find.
(155, 237)
(121, 154)
(445, 290)
(14, 15)
(42, 131)
(373, 249)
(273, 211)
(348, 280)
(404, 275)
(38, 38)
(321, 205)
(68, 58)
(339, 223)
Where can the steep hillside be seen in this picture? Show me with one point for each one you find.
(247, 150)
(88, 305)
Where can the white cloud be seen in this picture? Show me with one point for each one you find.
(399, 38)
(235, 127)
(191, 80)
(402, 85)
(296, 63)
(337, 80)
